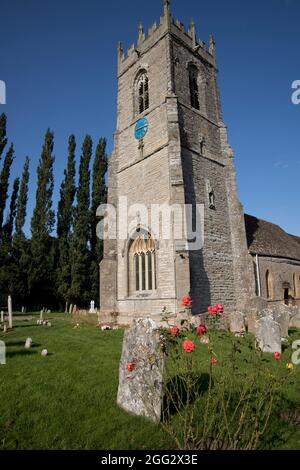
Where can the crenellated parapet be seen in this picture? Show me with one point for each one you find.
(156, 31)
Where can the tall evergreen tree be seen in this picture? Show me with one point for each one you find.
(41, 274)
(8, 263)
(4, 181)
(22, 200)
(80, 284)
(64, 224)
(9, 225)
(3, 139)
(21, 246)
(99, 196)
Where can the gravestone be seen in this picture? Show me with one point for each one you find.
(141, 370)
(237, 323)
(282, 315)
(2, 316)
(44, 352)
(9, 306)
(92, 307)
(28, 343)
(71, 308)
(2, 353)
(268, 332)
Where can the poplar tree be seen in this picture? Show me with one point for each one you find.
(22, 200)
(65, 215)
(41, 276)
(4, 181)
(99, 196)
(21, 246)
(80, 284)
(3, 139)
(9, 225)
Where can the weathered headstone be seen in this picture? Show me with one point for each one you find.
(237, 323)
(2, 316)
(74, 309)
(71, 308)
(4, 328)
(92, 307)
(282, 315)
(2, 353)
(268, 332)
(9, 306)
(28, 343)
(44, 353)
(141, 370)
(295, 317)
(255, 305)
(41, 315)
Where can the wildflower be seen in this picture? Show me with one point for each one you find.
(212, 310)
(277, 356)
(220, 308)
(131, 366)
(188, 346)
(201, 330)
(174, 330)
(186, 301)
(290, 365)
(214, 360)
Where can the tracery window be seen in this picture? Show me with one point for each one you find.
(142, 264)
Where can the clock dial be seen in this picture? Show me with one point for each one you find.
(141, 128)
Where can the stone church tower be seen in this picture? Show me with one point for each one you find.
(170, 149)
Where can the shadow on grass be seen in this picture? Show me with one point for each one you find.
(13, 343)
(25, 352)
(183, 390)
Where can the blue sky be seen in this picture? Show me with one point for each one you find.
(58, 59)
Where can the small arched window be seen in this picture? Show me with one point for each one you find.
(194, 87)
(142, 269)
(269, 285)
(142, 92)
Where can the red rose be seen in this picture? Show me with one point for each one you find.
(220, 308)
(201, 330)
(277, 356)
(131, 366)
(214, 360)
(188, 346)
(212, 310)
(174, 330)
(187, 301)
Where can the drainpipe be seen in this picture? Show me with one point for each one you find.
(258, 276)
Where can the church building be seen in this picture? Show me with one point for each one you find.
(171, 150)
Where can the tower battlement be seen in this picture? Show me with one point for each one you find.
(167, 25)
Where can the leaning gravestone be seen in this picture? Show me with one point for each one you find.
(141, 370)
(268, 332)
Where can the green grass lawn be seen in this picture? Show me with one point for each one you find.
(67, 400)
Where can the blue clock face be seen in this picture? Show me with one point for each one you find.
(141, 128)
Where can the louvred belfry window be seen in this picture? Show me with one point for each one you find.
(194, 88)
(143, 92)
